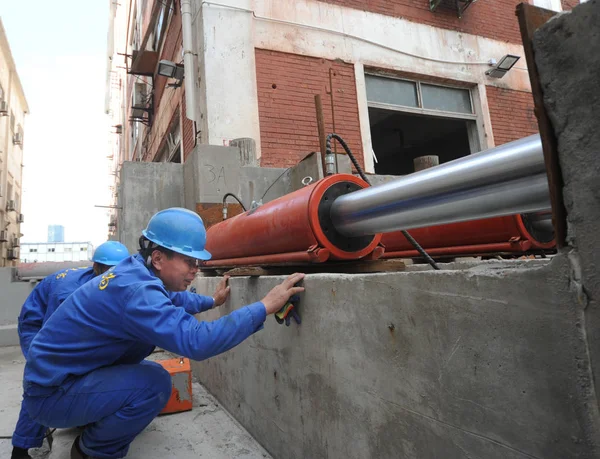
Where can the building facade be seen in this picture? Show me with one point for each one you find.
(399, 79)
(145, 111)
(41, 252)
(13, 108)
(56, 233)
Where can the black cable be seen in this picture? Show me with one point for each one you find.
(50, 432)
(276, 180)
(405, 233)
(234, 197)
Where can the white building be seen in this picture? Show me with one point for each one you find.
(56, 251)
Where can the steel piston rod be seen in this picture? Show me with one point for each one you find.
(505, 180)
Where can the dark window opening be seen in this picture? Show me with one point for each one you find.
(398, 138)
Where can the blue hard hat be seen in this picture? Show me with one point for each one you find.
(179, 230)
(110, 253)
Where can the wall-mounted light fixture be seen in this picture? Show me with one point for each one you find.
(171, 70)
(504, 65)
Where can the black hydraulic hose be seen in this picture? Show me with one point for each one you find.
(234, 197)
(49, 433)
(361, 172)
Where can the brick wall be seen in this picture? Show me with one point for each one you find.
(568, 5)
(167, 101)
(171, 51)
(511, 113)
(489, 18)
(287, 84)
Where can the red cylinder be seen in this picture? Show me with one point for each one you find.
(288, 225)
(490, 235)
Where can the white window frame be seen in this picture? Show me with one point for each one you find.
(476, 142)
(419, 110)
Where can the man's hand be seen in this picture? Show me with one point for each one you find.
(279, 296)
(222, 291)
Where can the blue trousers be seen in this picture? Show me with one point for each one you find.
(28, 433)
(117, 402)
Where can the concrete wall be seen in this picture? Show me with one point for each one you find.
(485, 362)
(567, 51)
(146, 188)
(212, 171)
(13, 296)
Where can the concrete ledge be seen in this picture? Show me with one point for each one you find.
(474, 363)
(9, 335)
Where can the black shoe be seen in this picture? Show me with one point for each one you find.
(49, 437)
(76, 452)
(20, 453)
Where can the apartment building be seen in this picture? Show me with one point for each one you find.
(13, 108)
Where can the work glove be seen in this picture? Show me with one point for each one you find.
(289, 311)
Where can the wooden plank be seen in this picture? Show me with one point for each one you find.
(351, 267)
(532, 18)
(144, 62)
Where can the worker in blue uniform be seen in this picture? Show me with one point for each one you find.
(86, 365)
(41, 303)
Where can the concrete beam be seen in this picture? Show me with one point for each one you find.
(481, 362)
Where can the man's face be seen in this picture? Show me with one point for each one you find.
(177, 272)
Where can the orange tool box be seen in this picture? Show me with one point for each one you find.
(181, 385)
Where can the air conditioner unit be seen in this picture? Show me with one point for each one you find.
(18, 139)
(3, 236)
(10, 206)
(139, 103)
(20, 218)
(12, 253)
(15, 241)
(3, 108)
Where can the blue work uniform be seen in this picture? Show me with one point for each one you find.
(41, 303)
(85, 365)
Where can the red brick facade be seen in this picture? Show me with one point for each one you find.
(511, 113)
(287, 84)
(492, 19)
(568, 5)
(171, 51)
(169, 103)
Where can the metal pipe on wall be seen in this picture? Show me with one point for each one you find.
(509, 179)
(188, 59)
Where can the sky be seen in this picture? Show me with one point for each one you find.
(60, 52)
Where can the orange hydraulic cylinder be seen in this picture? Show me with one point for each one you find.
(490, 235)
(286, 229)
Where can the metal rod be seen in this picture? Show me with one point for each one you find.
(337, 170)
(321, 129)
(541, 221)
(505, 180)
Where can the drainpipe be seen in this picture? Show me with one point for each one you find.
(188, 59)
